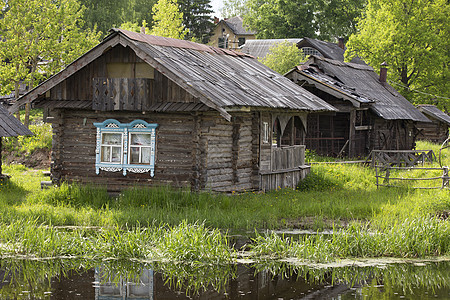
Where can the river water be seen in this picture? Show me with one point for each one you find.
(361, 279)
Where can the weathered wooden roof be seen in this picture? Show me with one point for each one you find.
(360, 82)
(236, 24)
(221, 79)
(260, 48)
(10, 126)
(327, 49)
(434, 112)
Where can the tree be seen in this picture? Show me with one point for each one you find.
(283, 56)
(234, 8)
(197, 19)
(273, 19)
(168, 20)
(39, 38)
(104, 14)
(337, 18)
(411, 36)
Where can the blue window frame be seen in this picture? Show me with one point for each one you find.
(126, 147)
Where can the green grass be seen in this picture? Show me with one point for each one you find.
(367, 221)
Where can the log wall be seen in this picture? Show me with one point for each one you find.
(392, 134)
(230, 160)
(74, 141)
(435, 131)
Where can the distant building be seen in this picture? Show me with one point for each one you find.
(10, 126)
(371, 114)
(231, 34)
(335, 51)
(435, 131)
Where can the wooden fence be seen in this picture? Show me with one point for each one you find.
(405, 158)
(386, 177)
(287, 168)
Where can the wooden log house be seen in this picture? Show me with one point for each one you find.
(145, 110)
(435, 131)
(9, 127)
(371, 114)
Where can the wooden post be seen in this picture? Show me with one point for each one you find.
(445, 178)
(376, 174)
(351, 135)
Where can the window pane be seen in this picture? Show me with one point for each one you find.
(140, 139)
(106, 154)
(134, 155)
(116, 154)
(145, 155)
(111, 138)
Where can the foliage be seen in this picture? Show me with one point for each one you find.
(274, 19)
(135, 27)
(412, 37)
(233, 8)
(39, 38)
(197, 19)
(281, 19)
(168, 20)
(338, 18)
(105, 14)
(26, 145)
(282, 57)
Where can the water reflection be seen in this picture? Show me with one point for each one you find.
(72, 279)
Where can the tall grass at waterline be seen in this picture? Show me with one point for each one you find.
(412, 238)
(194, 244)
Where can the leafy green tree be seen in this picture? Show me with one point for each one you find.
(197, 19)
(106, 14)
(337, 18)
(281, 18)
(168, 20)
(324, 19)
(135, 27)
(234, 8)
(39, 38)
(283, 56)
(412, 36)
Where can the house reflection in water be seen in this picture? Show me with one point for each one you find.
(107, 288)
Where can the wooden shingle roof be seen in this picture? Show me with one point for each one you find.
(221, 79)
(10, 126)
(360, 82)
(434, 112)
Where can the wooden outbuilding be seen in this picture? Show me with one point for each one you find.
(371, 114)
(145, 110)
(435, 131)
(10, 127)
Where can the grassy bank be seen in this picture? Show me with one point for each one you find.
(367, 222)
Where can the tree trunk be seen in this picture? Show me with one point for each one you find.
(16, 96)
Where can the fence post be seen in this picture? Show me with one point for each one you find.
(376, 174)
(445, 178)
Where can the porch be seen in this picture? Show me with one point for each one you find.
(287, 168)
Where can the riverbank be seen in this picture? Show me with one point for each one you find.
(164, 223)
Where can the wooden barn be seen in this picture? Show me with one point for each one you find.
(9, 126)
(435, 131)
(145, 110)
(371, 114)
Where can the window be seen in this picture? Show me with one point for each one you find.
(241, 41)
(265, 132)
(126, 147)
(223, 42)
